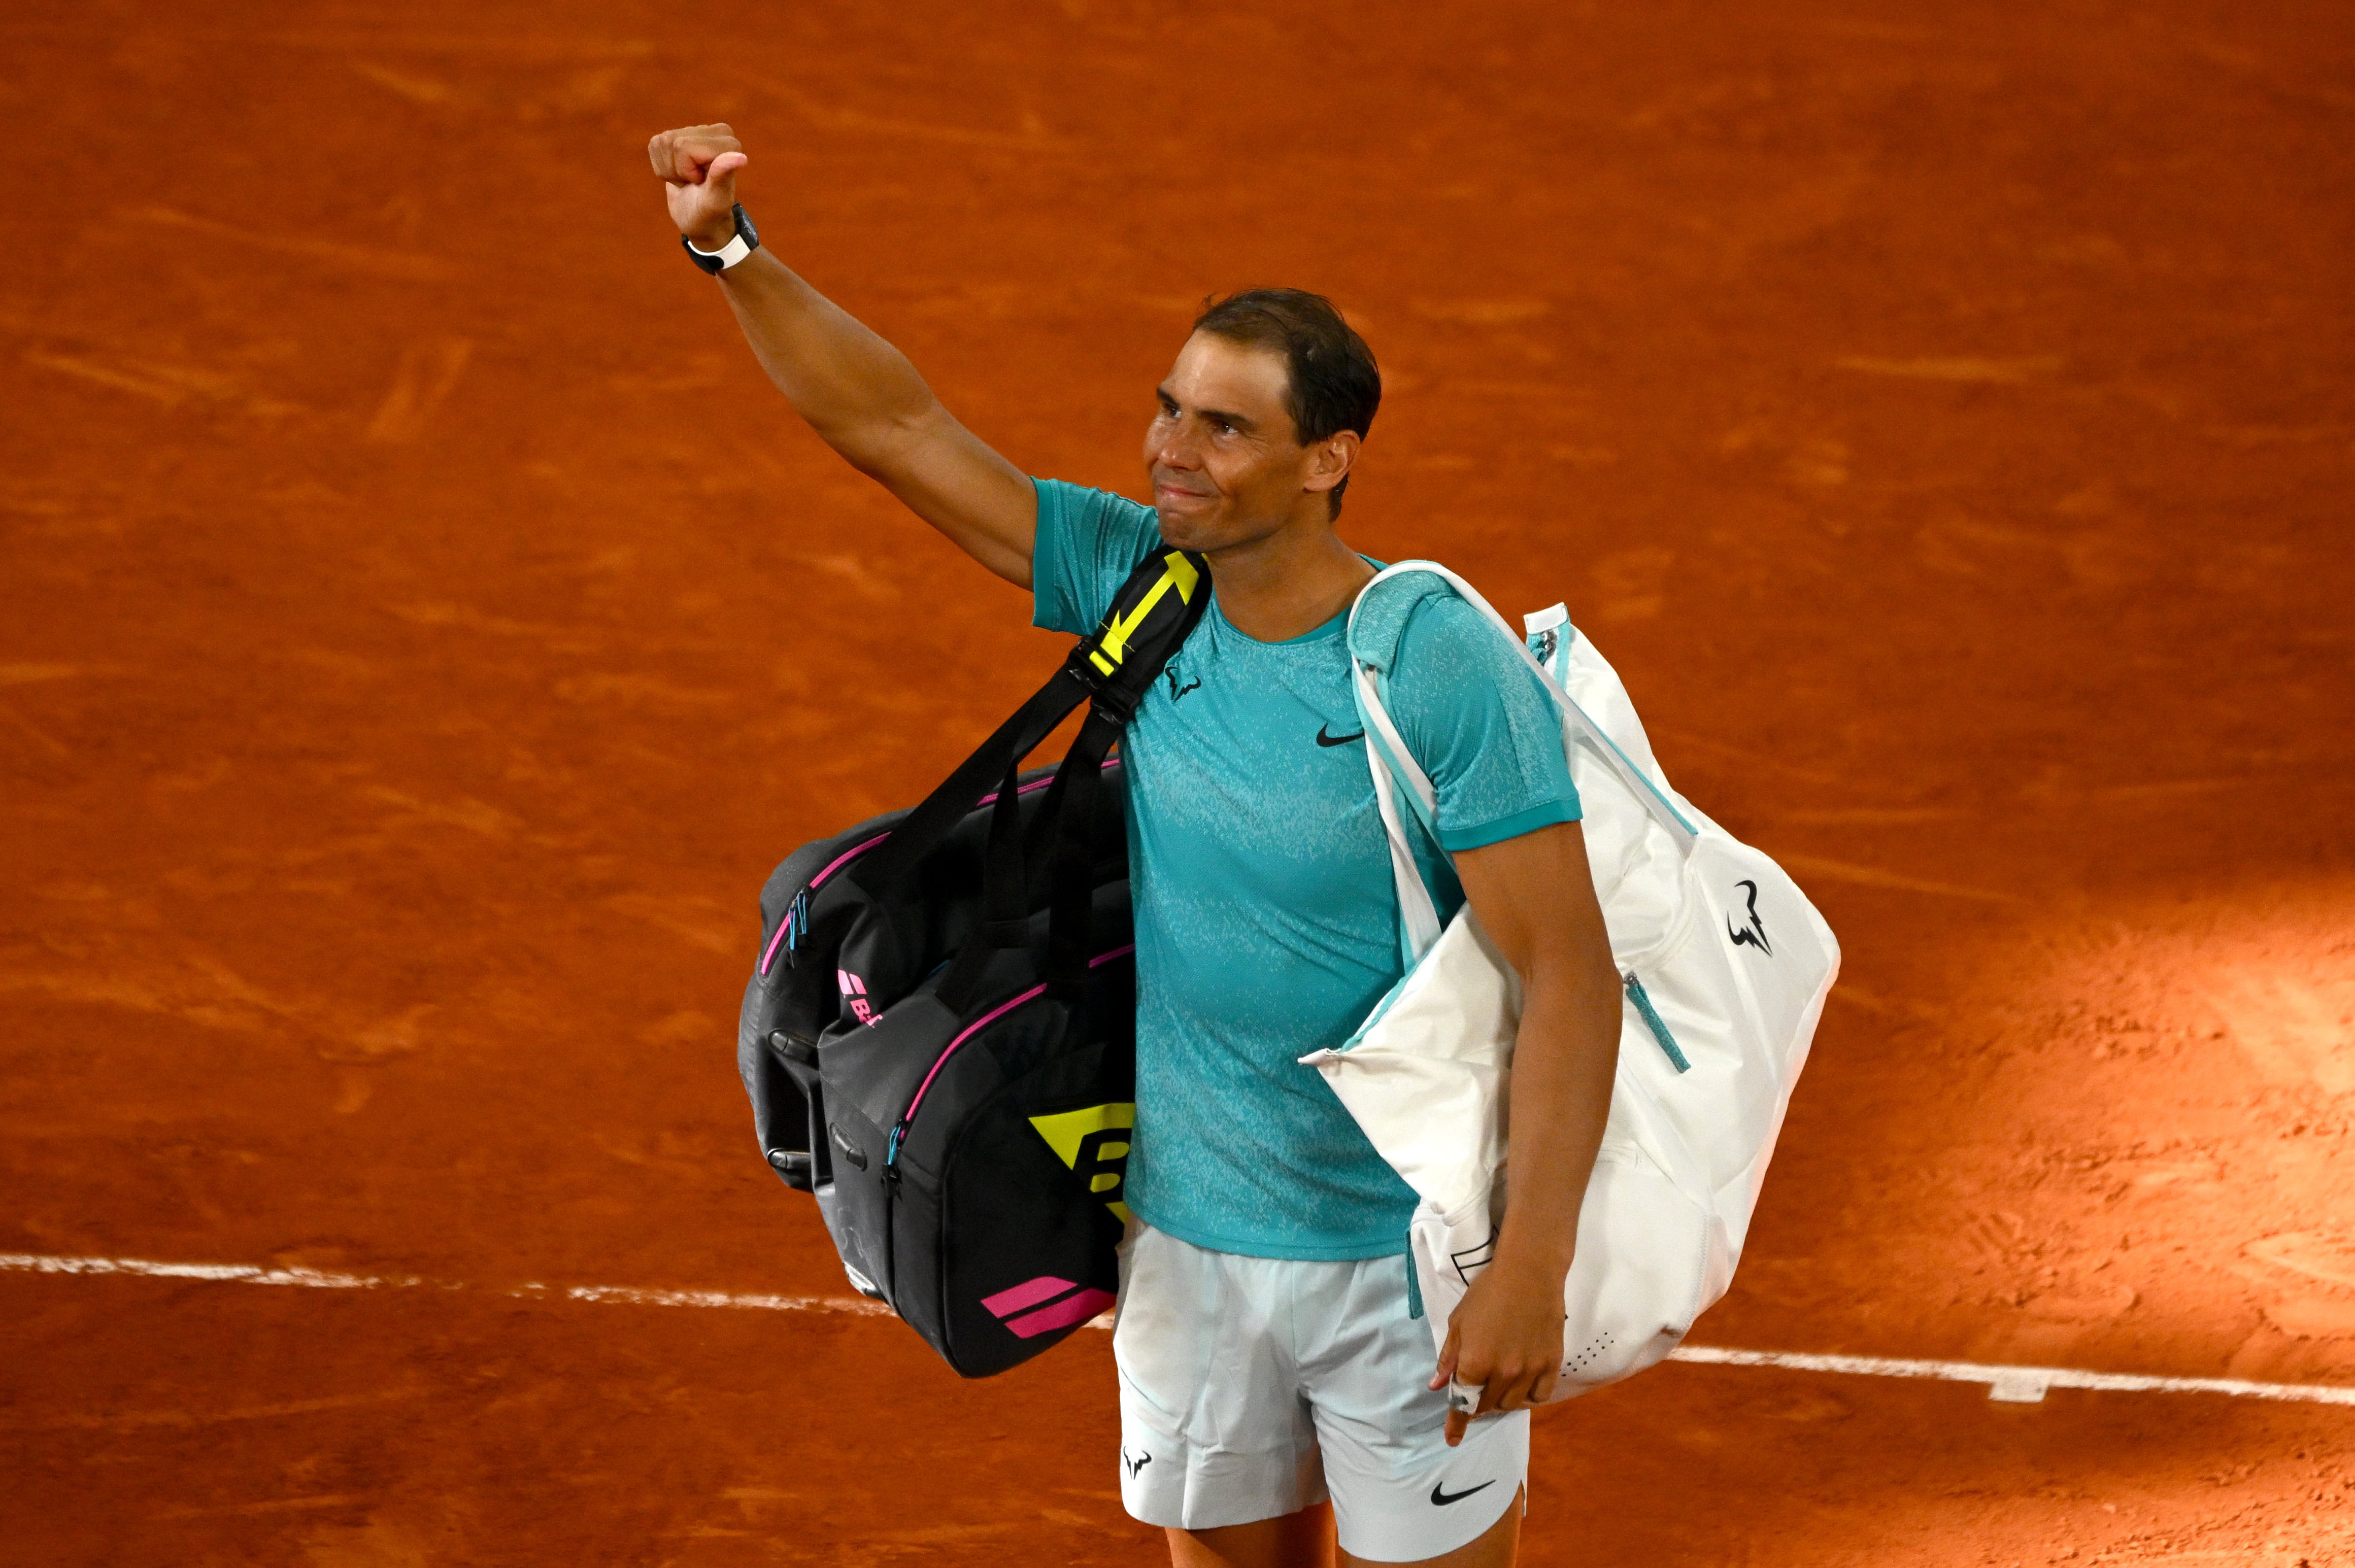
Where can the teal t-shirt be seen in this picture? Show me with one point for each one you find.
(1266, 918)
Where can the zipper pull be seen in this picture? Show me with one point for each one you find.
(796, 922)
(1550, 633)
(1652, 1021)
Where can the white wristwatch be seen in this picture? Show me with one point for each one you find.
(747, 241)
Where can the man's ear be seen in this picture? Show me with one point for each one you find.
(1330, 460)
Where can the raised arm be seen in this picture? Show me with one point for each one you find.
(859, 393)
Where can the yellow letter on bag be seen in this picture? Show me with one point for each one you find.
(1069, 1133)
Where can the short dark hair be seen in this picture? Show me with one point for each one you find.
(1332, 383)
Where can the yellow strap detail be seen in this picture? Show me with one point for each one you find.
(1180, 574)
(1183, 572)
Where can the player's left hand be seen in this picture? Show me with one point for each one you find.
(1505, 1337)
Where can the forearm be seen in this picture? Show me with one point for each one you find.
(867, 402)
(860, 394)
(1534, 897)
(1564, 1064)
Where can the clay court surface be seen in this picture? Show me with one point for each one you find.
(421, 630)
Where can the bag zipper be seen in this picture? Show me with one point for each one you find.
(900, 1131)
(1652, 1021)
(800, 906)
(797, 920)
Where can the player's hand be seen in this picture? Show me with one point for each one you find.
(1505, 1337)
(700, 162)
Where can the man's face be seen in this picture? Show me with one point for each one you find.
(1222, 454)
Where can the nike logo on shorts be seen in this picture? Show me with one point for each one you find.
(1442, 1499)
(1324, 739)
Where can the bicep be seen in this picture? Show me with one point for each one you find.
(963, 486)
(1534, 896)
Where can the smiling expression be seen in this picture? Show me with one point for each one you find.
(1222, 452)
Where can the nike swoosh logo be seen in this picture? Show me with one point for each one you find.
(1324, 739)
(1443, 1499)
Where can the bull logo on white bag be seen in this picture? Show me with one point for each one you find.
(1711, 1046)
(1754, 933)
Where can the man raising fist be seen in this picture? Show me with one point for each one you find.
(859, 393)
(1270, 1352)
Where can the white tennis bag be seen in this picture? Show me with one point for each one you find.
(1726, 965)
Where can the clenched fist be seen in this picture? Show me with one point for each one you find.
(700, 162)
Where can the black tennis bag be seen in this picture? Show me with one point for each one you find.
(939, 1037)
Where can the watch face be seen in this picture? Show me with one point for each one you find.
(744, 229)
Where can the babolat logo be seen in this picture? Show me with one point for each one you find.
(1041, 1306)
(854, 998)
(1122, 628)
(1094, 1143)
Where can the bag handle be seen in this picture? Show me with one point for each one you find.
(1418, 915)
(1111, 669)
(1004, 909)
(1154, 613)
(1070, 863)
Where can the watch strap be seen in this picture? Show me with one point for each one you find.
(746, 241)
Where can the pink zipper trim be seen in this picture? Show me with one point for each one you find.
(835, 865)
(999, 1011)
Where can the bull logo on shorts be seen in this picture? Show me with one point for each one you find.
(1094, 1143)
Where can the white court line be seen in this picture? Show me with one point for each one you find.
(322, 1279)
(634, 1296)
(2014, 1384)
(244, 1274)
(2018, 1384)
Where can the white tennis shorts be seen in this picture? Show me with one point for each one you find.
(1250, 1388)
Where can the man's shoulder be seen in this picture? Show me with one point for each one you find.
(1416, 618)
(1449, 667)
(1087, 542)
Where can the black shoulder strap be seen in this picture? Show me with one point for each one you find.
(1111, 670)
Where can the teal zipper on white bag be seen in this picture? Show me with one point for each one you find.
(1653, 1021)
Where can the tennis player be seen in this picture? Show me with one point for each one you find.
(1279, 1397)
